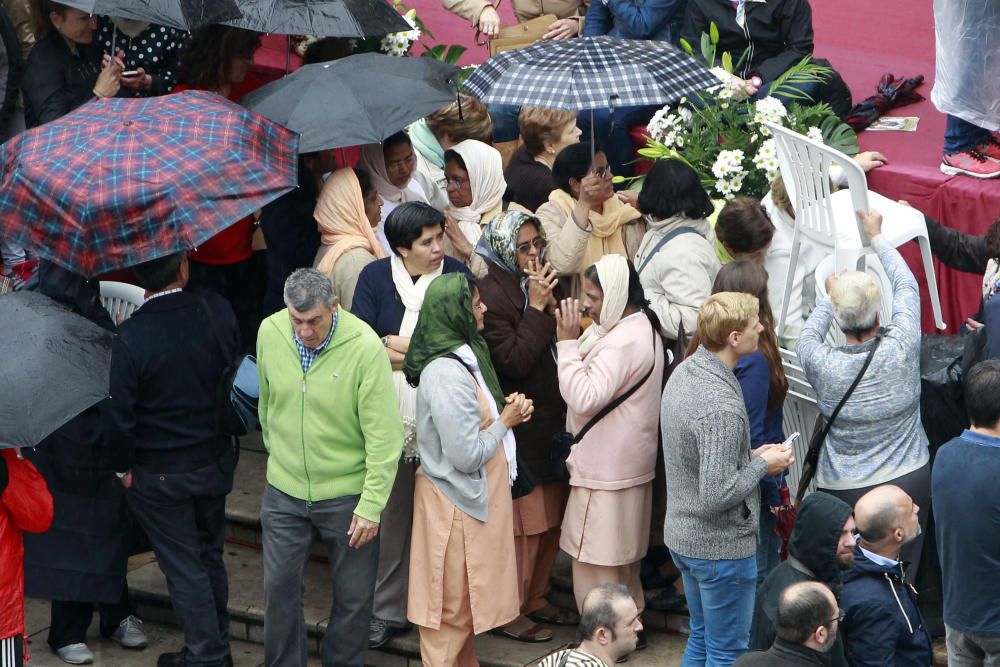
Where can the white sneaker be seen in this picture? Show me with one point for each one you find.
(128, 634)
(75, 654)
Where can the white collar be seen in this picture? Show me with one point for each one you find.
(878, 559)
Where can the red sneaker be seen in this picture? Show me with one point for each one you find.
(970, 163)
(990, 148)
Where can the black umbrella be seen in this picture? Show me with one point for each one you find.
(325, 18)
(180, 14)
(55, 364)
(361, 99)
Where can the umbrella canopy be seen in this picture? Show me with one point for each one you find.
(122, 181)
(181, 14)
(361, 99)
(589, 73)
(56, 364)
(326, 18)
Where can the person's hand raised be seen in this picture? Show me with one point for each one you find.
(110, 78)
(872, 222)
(541, 282)
(568, 319)
(517, 411)
(778, 458)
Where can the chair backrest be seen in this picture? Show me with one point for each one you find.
(873, 267)
(120, 299)
(798, 413)
(805, 170)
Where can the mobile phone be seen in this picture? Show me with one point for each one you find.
(130, 73)
(787, 444)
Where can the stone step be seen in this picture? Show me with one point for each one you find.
(246, 609)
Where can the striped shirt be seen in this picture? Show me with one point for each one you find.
(570, 658)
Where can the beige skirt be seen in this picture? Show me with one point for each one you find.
(541, 510)
(607, 527)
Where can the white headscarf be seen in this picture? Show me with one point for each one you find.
(485, 167)
(373, 161)
(612, 272)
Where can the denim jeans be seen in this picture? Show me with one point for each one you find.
(961, 135)
(768, 545)
(720, 597)
(505, 125)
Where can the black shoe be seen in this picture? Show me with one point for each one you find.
(640, 642)
(179, 659)
(380, 632)
(669, 601)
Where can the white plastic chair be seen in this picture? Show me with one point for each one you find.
(121, 299)
(827, 218)
(873, 267)
(799, 414)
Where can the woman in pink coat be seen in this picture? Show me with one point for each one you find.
(606, 525)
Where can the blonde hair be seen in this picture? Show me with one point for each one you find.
(856, 299)
(539, 125)
(724, 313)
(473, 122)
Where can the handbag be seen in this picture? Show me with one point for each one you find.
(520, 35)
(823, 428)
(562, 442)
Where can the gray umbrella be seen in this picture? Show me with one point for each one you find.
(325, 18)
(180, 14)
(55, 364)
(361, 99)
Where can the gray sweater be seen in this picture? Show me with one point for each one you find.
(713, 498)
(453, 451)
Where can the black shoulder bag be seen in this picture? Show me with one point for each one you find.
(562, 442)
(823, 429)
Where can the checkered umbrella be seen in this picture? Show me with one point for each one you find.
(589, 73)
(125, 180)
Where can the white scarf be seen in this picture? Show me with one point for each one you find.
(373, 161)
(612, 272)
(485, 168)
(412, 296)
(468, 358)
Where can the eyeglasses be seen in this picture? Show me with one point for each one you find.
(839, 618)
(603, 170)
(538, 244)
(457, 182)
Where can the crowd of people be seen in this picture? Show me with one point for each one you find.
(467, 365)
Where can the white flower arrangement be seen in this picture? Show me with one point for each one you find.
(770, 110)
(766, 159)
(815, 134)
(399, 43)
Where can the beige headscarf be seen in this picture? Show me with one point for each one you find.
(373, 161)
(606, 236)
(485, 167)
(612, 272)
(341, 219)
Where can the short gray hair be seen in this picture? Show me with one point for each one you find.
(856, 299)
(307, 288)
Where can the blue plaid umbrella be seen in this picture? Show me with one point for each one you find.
(590, 73)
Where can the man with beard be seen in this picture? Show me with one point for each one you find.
(821, 547)
(882, 624)
(807, 623)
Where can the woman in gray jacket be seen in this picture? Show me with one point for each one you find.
(463, 574)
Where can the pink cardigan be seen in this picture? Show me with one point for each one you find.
(619, 452)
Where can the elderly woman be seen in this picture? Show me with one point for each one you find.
(583, 218)
(476, 187)
(617, 362)
(393, 168)
(519, 292)
(877, 437)
(545, 133)
(65, 67)
(388, 297)
(463, 576)
(466, 118)
(347, 213)
(676, 259)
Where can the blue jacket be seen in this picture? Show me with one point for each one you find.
(882, 624)
(635, 19)
(754, 376)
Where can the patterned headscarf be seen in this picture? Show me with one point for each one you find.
(499, 241)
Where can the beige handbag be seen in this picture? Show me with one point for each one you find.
(519, 35)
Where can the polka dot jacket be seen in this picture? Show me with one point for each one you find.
(155, 49)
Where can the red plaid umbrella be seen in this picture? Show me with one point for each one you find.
(125, 180)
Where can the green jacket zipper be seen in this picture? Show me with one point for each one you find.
(302, 435)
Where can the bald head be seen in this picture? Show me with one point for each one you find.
(807, 613)
(887, 518)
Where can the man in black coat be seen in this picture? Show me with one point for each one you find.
(807, 624)
(821, 547)
(169, 364)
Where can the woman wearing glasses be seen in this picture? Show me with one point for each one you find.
(584, 219)
(474, 175)
(520, 294)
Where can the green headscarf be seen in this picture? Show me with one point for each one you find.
(426, 143)
(446, 323)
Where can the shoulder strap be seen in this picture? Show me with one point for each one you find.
(850, 390)
(667, 238)
(621, 399)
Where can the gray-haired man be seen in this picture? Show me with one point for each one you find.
(331, 428)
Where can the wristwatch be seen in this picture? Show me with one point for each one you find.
(756, 81)
(385, 341)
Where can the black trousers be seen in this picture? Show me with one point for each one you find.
(184, 515)
(69, 621)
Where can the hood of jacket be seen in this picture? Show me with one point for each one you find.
(818, 525)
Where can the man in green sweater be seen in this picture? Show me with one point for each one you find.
(333, 434)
